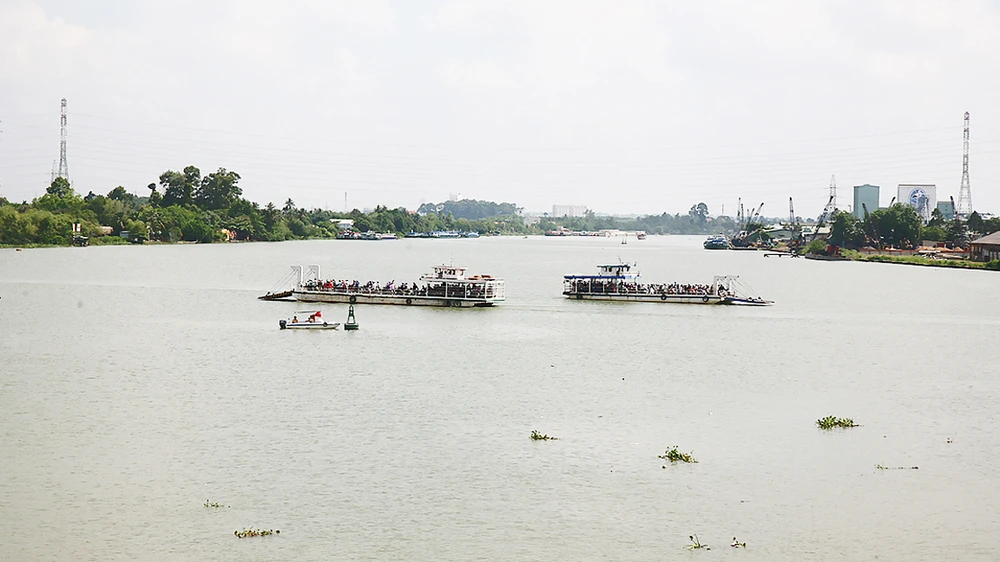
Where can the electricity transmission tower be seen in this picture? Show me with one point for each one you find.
(965, 192)
(831, 204)
(63, 166)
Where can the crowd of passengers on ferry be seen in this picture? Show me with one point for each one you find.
(620, 287)
(393, 289)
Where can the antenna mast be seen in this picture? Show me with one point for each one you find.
(63, 166)
(965, 192)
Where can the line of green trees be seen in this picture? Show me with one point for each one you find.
(189, 206)
(471, 209)
(694, 222)
(900, 226)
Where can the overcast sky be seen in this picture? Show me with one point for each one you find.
(625, 107)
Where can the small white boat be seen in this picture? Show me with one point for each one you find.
(313, 321)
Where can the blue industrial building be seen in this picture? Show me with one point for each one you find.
(947, 209)
(865, 196)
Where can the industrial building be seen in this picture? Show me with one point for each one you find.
(947, 209)
(986, 248)
(865, 197)
(569, 210)
(920, 196)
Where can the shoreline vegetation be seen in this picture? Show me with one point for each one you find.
(187, 206)
(899, 235)
(855, 255)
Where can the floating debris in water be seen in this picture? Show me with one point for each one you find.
(535, 436)
(696, 544)
(738, 544)
(880, 467)
(255, 533)
(214, 504)
(831, 422)
(675, 455)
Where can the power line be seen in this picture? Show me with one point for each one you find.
(509, 148)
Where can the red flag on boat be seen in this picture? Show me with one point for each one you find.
(318, 314)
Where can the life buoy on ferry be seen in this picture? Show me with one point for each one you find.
(409, 301)
(663, 296)
(353, 299)
(704, 299)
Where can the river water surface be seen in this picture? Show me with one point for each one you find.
(138, 382)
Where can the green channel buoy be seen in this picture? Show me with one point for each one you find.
(351, 323)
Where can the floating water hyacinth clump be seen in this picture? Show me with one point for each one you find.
(675, 455)
(831, 422)
(255, 533)
(536, 436)
(696, 544)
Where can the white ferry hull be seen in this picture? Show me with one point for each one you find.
(404, 300)
(616, 282)
(624, 297)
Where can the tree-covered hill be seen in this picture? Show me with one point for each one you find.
(471, 209)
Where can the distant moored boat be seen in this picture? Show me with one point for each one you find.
(717, 242)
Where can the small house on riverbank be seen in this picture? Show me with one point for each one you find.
(986, 248)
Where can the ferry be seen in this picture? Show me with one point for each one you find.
(617, 282)
(370, 235)
(443, 234)
(446, 285)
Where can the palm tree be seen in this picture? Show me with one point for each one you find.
(270, 215)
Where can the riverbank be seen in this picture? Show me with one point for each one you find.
(97, 241)
(855, 255)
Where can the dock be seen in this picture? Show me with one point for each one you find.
(780, 254)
